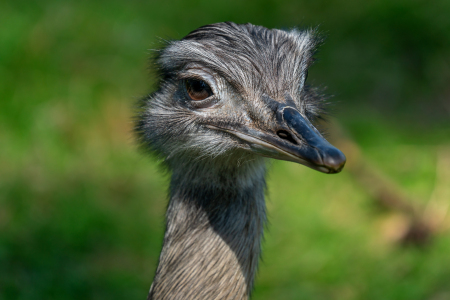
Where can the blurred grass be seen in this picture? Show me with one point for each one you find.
(81, 210)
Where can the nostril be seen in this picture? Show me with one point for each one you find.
(285, 135)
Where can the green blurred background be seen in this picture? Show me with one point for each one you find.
(81, 208)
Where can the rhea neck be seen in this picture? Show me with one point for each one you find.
(214, 227)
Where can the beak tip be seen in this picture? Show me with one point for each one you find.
(334, 161)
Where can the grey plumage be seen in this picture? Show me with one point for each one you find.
(257, 105)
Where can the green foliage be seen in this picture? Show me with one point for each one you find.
(81, 210)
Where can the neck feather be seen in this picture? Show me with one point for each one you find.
(215, 223)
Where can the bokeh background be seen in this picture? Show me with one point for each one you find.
(81, 208)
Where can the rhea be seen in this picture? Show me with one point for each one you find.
(230, 96)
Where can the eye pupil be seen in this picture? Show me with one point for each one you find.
(198, 86)
(198, 89)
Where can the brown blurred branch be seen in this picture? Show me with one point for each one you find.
(422, 223)
(436, 211)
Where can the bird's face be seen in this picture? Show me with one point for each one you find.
(231, 88)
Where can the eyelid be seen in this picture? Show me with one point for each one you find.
(199, 74)
(205, 103)
(191, 76)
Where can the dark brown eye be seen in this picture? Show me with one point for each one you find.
(198, 89)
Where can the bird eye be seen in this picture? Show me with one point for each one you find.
(198, 89)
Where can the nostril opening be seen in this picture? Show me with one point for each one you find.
(285, 135)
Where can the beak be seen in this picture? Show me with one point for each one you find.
(297, 140)
(314, 149)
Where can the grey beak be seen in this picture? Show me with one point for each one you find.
(314, 149)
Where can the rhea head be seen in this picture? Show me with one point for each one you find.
(236, 93)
